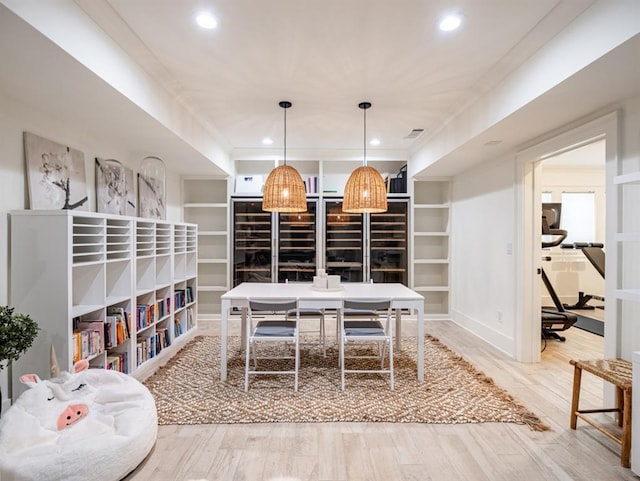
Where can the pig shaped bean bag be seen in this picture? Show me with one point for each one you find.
(89, 425)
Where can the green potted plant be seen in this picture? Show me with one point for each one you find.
(17, 333)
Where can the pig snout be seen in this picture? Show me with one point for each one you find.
(72, 414)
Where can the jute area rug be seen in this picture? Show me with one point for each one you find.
(188, 390)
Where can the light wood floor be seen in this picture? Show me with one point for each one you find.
(385, 451)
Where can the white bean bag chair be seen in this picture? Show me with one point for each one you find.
(93, 424)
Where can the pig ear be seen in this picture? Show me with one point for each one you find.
(30, 379)
(80, 366)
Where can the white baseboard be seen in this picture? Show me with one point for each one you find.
(497, 339)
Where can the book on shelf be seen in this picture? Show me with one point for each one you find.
(116, 327)
(146, 314)
(178, 328)
(179, 296)
(189, 294)
(90, 338)
(311, 185)
(118, 361)
(163, 307)
(190, 318)
(162, 339)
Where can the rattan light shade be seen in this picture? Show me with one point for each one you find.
(284, 191)
(365, 191)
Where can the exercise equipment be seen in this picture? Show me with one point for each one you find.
(558, 319)
(595, 255)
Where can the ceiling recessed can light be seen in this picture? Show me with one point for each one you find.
(267, 141)
(450, 22)
(206, 20)
(375, 142)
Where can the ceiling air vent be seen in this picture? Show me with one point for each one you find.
(414, 133)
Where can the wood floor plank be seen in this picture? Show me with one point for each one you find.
(413, 452)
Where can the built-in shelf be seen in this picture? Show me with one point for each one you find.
(137, 264)
(205, 203)
(430, 244)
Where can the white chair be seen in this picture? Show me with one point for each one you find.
(278, 327)
(360, 322)
(306, 313)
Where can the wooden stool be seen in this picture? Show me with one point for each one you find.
(618, 373)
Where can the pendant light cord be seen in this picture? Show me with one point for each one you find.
(365, 138)
(285, 136)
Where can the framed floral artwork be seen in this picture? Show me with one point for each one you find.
(56, 175)
(115, 192)
(152, 188)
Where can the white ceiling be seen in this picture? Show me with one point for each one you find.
(325, 56)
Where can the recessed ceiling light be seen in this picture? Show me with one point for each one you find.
(375, 142)
(450, 22)
(206, 20)
(267, 141)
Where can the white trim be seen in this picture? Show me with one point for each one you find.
(527, 294)
(497, 339)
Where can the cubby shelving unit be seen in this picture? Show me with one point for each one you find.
(205, 203)
(431, 243)
(75, 272)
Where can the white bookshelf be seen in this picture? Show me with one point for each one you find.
(430, 240)
(205, 203)
(69, 267)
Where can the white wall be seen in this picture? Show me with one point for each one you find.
(15, 118)
(484, 222)
(482, 239)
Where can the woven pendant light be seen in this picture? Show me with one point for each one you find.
(365, 190)
(284, 189)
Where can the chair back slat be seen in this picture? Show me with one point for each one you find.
(272, 306)
(371, 305)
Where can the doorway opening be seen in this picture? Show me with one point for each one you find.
(529, 229)
(572, 294)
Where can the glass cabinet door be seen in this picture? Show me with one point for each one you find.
(388, 244)
(251, 242)
(344, 243)
(297, 245)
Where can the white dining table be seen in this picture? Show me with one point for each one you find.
(400, 295)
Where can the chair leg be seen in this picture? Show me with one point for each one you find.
(626, 430)
(575, 396)
(255, 356)
(323, 337)
(341, 353)
(246, 364)
(391, 382)
(297, 364)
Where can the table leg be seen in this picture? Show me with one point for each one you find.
(224, 334)
(398, 329)
(243, 327)
(420, 340)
